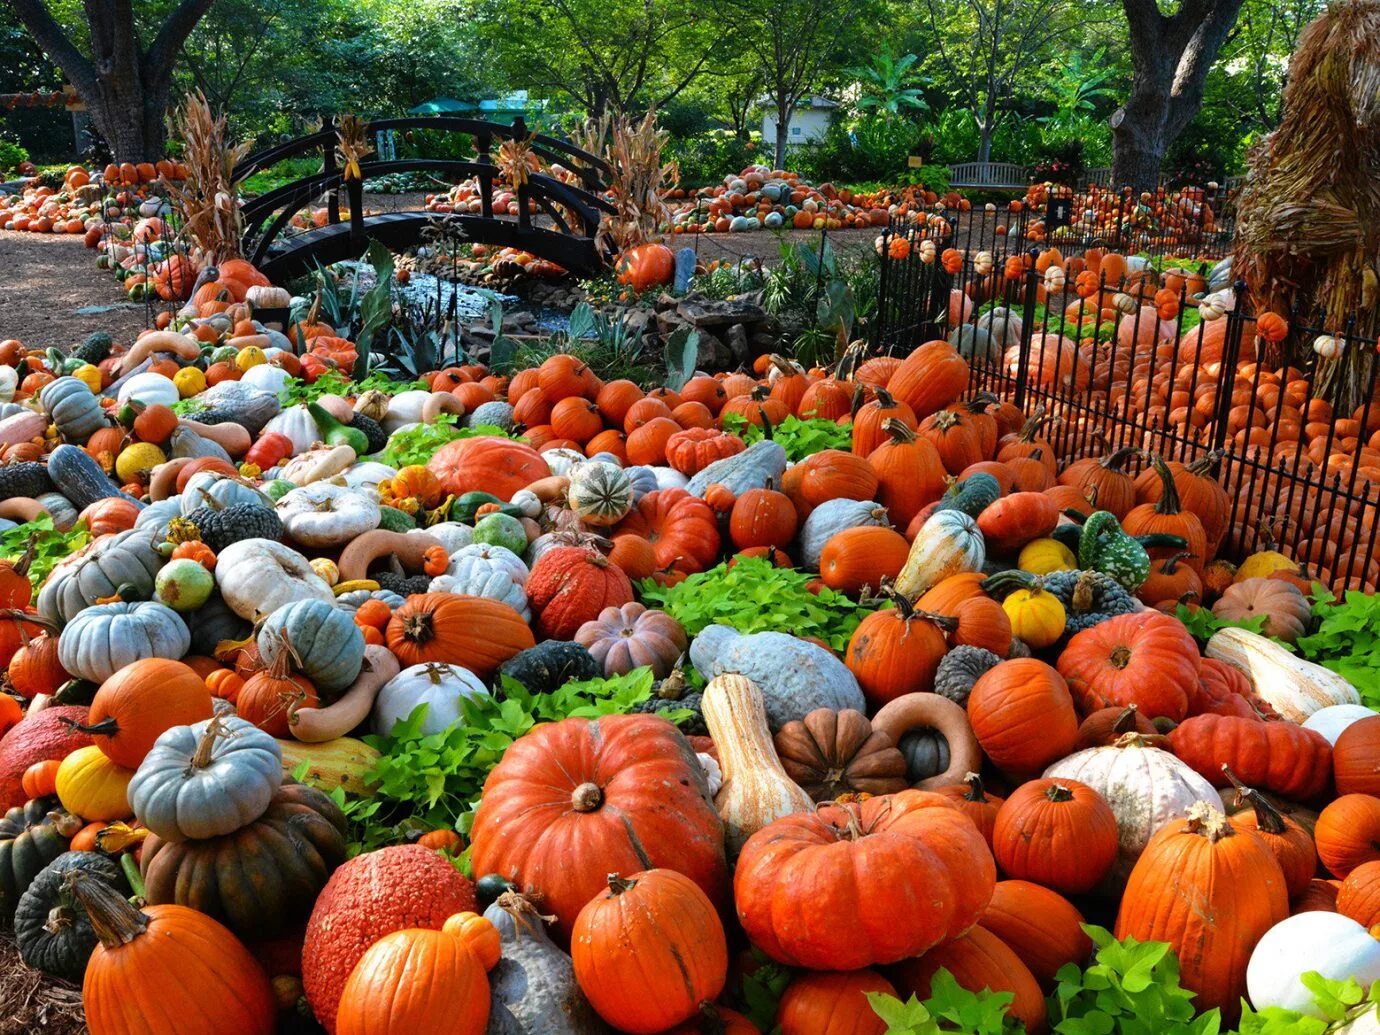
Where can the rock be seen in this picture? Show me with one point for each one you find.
(719, 314)
(665, 301)
(685, 269)
(637, 321)
(713, 354)
(668, 320)
(736, 338)
(519, 322)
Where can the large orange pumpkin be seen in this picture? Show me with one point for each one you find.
(799, 875)
(681, 528)
(1022, 715)
(832, 1003)
(415, 981)
(497, 465)
(451, 628)
(1041, 926)
(930, 378)
(1145, 658)
(142, 701)
(576, 800)
(646, 266)
(978, 960)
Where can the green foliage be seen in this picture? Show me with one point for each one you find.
(12, 155)
(1202, 623)
(874, 147)
(799, 438)
(378, 381)
(416, 445)
(48, 545)
(761, 990)
(608, 343)
(755, 596)
(884, 83)
(1347, 640)
(427, 781)
(278, 175)
(705, 158)
(950, 1008)
(331, 382)
(1132, 988)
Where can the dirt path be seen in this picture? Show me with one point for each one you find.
(49, 286)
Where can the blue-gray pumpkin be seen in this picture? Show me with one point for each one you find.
(324, 643)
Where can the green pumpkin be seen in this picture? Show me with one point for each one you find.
(31, 836)
(501, 530)
(51, 927)
(973, 495)
(1104, 547)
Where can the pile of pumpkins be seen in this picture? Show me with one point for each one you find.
(1168, 220)
(89, 205)
(760, 198)
(1019, 735)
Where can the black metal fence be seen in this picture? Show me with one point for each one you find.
(1134, 363)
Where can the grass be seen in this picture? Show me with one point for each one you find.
(280, 174)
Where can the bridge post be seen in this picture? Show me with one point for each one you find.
(328, 165)
(486, 176)
(520, 132)
(355, 189)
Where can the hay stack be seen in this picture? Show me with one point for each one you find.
(1308, 227)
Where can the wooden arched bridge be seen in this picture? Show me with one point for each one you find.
(573, 210)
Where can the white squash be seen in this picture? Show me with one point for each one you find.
(317, 464)
(669, 478)
(948, 543)
(403, 409)
(451, 534)
(563, 461)
(470, 562)
(266, 378)
(1145, 787)
(367, 475)
(323, 515)
(258, 576)
(756, 789)
(493, 585)
(148, 389)
(439, 687)
(9, 383)
(1335, 946)
(1333, 720)
(1291, 686)
(298, 426)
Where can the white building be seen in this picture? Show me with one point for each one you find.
(809, 121)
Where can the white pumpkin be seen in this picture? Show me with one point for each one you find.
(563, 461)
(439, 687)
(1145, 787)
(148, 389)
(367, 475)
(452, 535)
(9, 383)
(258, 576)
(325, 515)
(492, 585)
(528, 503)
(215, 489)
(669, 478)
(266, 378)
(299, 427)
(1335, 718)
(483, 559)
(1335, 946)
(403, 409)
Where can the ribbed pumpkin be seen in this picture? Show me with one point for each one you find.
(833, 474)
(570, 585)
(895, 651)
(1058, 833)
(1228, 890)
(832, 1003)
(415, 981)
(977, 960)
(1145, 658)
(955, 437)
(1022, 715)
(869, 422)
(454, 629)
(909, 473)
(1278, 756)
(1041, 926)
(930, 378)
(140, 702)
(979, 806)
(1359, 895)
(1347, 833)
(576, 800)
(500, 466)
(1168, 516)
(864, 556)
(1103, 481)
(1355, 757)
(1291, 843)
(681, 528)
(168, 968)
(1198, 492)
(649, 950)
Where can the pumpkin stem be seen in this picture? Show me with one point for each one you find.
(114, 920)
(1212, 824)
(858, 396)
(767, 429)
(215, 729)
(521, 909)
(1202, 467)
(976, 792)
(980, 402)
(1267, 817)
(1171, 564)
(107, 727)
(1168, 503)
(618, 885)
(1126, 721)
(586, 797)
(1057, 792)
(22, 618)
(898, 430)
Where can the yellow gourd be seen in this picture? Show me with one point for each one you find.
(252, 356)
(1037, 616)
(90, 785)
(89, 376)
(1263, 564)
(136, 461)
(189, 381)
(1043, 556)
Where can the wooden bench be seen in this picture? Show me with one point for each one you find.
(989, 176)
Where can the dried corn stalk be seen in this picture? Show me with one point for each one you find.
(207, 202)
(517, 160)
(352, 145)
(1308, 226)
(636, 181)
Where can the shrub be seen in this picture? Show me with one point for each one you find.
(11, 156)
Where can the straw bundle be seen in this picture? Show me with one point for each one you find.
(352, 145)
(1308, 228)
(207, 202)
(636, 181)
(517, 160)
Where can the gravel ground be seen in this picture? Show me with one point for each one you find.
(48, 284)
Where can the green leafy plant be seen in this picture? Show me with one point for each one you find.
(759, 993)
(331, 382)
(799, 438)
(44, 545)
(428, 781)
(378, 381)
(1131, 988)
(416, 445)
(950, 1008)
(1202, 623)
(1347, 640)
(755, 596)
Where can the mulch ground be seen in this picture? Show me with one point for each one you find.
(32, 1003)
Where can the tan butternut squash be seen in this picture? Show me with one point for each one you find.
(756, 789)
(409, 547)
(319, 725)
(159, 341)
(1291, 686)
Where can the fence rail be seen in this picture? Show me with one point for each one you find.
(1301, 475)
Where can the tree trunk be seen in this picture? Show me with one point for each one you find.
(984, 142)
(124, 85)
(785, 108)
(1171, 57)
